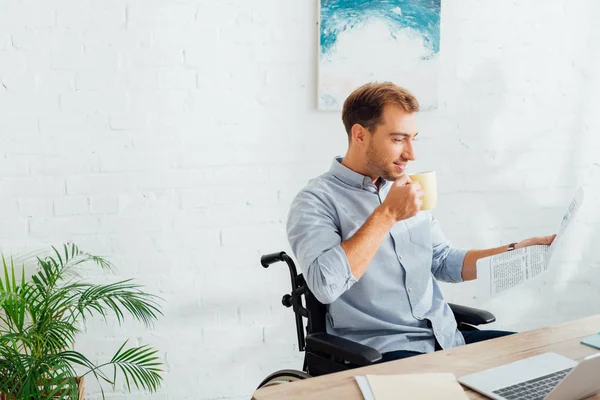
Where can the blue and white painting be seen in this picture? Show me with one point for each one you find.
(378, 40)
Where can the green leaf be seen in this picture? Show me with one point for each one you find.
(6, 280)
(39, 325)
(79, 359)
(138, 365)
(58, 255)
(14, 279)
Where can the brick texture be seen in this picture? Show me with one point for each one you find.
(172, 136)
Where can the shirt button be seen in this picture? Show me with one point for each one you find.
(409, 290)
(435, 331)
(358, 186)
(399, 257)
(418, 317)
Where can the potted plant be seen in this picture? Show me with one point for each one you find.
(41, 315)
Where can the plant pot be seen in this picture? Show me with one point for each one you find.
(80, 389)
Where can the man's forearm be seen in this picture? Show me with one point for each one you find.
(469, 269)
(363, 245)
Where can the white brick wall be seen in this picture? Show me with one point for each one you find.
(172, 136)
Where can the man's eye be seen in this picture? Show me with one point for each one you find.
(398, 140)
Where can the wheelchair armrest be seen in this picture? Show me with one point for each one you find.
(345, 349)
(471, 316)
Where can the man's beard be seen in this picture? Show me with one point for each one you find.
(379, 166)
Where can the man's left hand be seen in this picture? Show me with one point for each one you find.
(547, 240)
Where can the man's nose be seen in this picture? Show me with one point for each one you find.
(409, 151)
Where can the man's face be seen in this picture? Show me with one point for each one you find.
(390, 147)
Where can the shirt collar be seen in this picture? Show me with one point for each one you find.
(351, 177)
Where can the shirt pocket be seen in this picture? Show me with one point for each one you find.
(419, 230)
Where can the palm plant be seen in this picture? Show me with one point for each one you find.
(41, 316)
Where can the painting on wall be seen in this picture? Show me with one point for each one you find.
(362, 41)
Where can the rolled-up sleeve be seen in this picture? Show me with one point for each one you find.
(313, 234)
(447, 262)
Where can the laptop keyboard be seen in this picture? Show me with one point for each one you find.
(537, 388)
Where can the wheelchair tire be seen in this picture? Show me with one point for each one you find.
(283, 376)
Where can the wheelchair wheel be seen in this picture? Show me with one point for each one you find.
(283, 376)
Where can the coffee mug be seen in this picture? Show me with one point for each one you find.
(429, 185)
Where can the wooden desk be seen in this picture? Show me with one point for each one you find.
(562, 339)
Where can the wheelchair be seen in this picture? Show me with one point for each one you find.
(325, 353)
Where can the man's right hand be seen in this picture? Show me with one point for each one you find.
(404, 199)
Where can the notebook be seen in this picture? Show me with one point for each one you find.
(592, 341)
(421, 386)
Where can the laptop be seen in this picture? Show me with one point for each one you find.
(548, 376)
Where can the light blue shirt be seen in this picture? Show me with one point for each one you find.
(390, 306)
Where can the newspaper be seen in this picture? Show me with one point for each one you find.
(496, 274)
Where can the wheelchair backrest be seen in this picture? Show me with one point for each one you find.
(314, 311)
(317, 312)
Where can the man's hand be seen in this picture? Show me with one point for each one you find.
(404, 199)
(536, 240)
(469, 270)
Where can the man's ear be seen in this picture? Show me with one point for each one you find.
(359, 134)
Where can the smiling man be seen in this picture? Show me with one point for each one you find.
(366, 249)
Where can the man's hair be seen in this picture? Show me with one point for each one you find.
(365, 104)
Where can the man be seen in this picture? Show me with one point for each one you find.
(364, 246)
